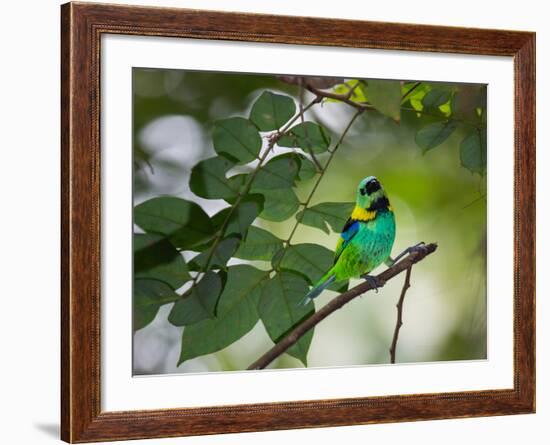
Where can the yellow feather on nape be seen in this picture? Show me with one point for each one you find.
(361, 214)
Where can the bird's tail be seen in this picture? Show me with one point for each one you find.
(321, 285)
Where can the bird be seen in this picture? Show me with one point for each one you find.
(366, 239)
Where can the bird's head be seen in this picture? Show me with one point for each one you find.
(371, 194)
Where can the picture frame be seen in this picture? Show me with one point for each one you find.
(82, 27)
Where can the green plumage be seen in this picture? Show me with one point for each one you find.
(369, 248)
(366, 240)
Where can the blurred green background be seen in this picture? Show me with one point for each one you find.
(435, 199)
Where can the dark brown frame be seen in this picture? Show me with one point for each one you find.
(81, 27)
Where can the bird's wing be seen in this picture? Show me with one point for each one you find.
(348, 232)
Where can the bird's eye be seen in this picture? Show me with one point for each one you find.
(363, 191)
(372, 186)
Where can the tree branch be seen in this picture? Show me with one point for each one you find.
(340, 97)
(346, 98)
(399, 321)
(291, 338)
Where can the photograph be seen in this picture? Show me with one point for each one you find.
(273, 214)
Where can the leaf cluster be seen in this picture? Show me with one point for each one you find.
(215, 300)
(437, 111)
(241, 274)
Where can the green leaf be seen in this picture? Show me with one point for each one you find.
(473, 151)
(198, 303)
(358, 94)
(307, 169)
(280, 310)
(446, 109)
(310, 260)
(241, 217)
(279, 204)
(385, 96)
(208, 179)
(334, 214)
(237, 182)
(222, 253)
(437, 97)
(259, 245)
(236, 314)
(416, 96)
(245, 214)
(434, 134)
(406, 88)
(271, 111)
(309, 136)
(280, 172)
(149, 296)
(237, 139)
(156, 258)
(184, 222)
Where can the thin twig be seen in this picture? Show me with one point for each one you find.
(284, 129)
(309, 323)
(349, 94)
(300, 216)
(481, 198)
(414, 87)
(221, 232)
(302, 120)
(399, 321)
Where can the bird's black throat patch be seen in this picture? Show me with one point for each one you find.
(380, 205)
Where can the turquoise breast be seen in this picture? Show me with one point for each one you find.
(369, 248)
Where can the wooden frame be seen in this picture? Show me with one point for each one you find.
(82, 26)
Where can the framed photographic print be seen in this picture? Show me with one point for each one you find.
(276, 222)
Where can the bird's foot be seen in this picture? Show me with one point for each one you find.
(375, 282)
(421, 246)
